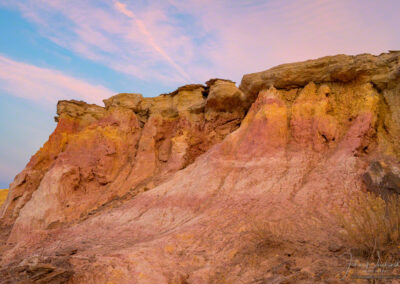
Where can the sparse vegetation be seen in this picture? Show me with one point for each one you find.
(265, 234)
(372, 225)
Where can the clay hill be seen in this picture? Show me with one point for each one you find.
(182, 187)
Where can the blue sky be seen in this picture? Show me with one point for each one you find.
(92, 49)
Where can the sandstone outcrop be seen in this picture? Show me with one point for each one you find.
(98, 155)
(381, 72)
(169, 189)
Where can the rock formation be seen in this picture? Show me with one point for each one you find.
(3, 195)
(167, 189)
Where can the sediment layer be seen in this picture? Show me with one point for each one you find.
(166, 189)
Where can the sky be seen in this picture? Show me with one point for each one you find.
(90, 50)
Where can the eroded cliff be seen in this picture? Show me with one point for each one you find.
(167, 189)
(98, 155)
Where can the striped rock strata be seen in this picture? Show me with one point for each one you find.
(169, 189)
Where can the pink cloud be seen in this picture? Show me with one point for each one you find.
(216, 38)
(150, 39)
(131, 45)
(256, 35)
(46, 86)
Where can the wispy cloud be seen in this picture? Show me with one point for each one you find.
(151, 41)
(176, 42)
(46, 86)
(145, 44)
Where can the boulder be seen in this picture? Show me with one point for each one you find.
(382, 177)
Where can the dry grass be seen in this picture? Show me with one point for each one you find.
(265, 234)
(3, 195)
(372, 225)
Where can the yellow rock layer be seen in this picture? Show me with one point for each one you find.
(3, 195)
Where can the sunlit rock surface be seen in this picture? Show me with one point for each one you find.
(167, 189)
(3, 195)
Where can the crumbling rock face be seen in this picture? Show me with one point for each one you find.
(381, 72)
(38, 270)
(98, 154)
(382, 177)
(223, 96)
(169, 189)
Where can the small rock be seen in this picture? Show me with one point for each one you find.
(334, 247)
(67, 251)
(382, 178)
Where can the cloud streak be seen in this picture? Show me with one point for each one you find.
(46, 86)
(151, 41)
(175, 42)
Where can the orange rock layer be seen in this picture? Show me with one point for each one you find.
(3, 195)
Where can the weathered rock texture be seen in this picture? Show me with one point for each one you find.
(170, 189)
(3, 195)
(98, 155)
